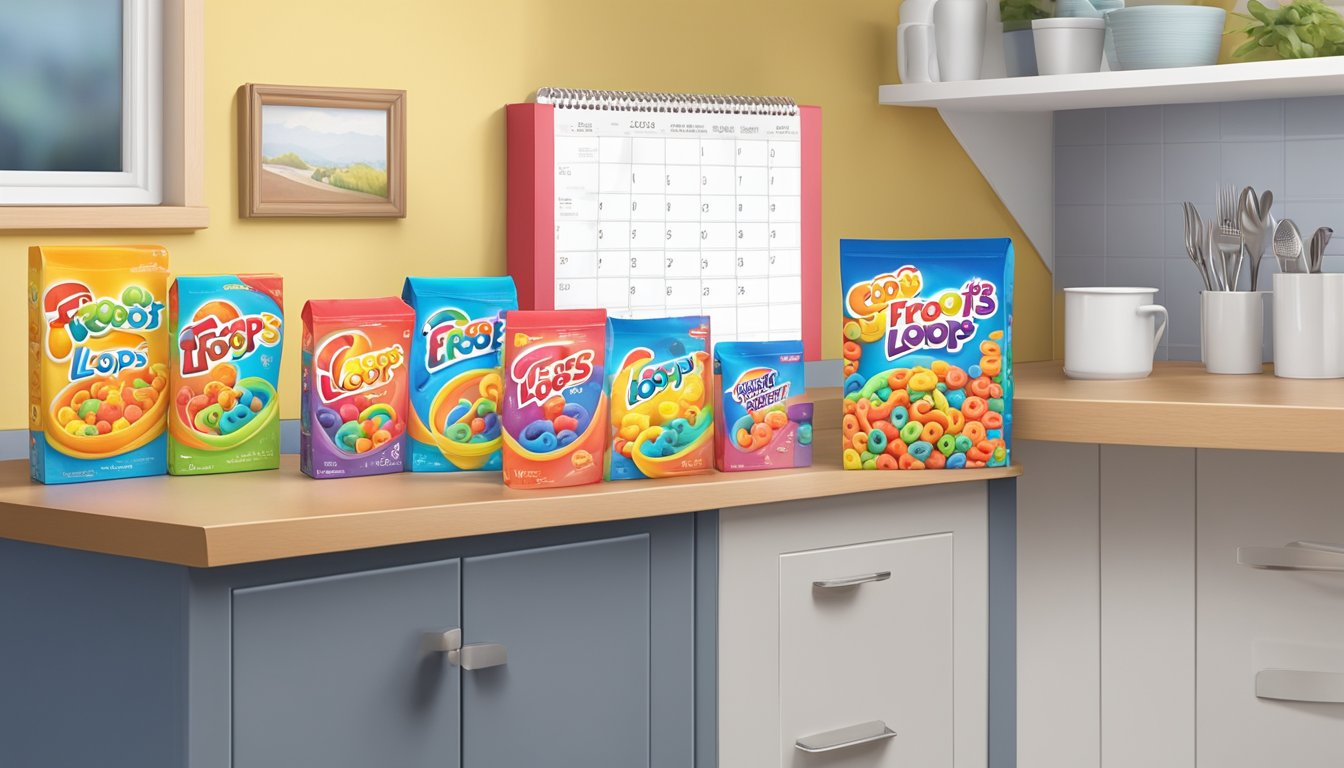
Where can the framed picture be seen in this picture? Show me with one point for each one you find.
(308, 151)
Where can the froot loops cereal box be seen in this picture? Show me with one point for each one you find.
(98, 362)
(662, 415)
(224, 368)
(927, 351)
(762, 421)
(355, 382)
(555, 410)
(456, 383)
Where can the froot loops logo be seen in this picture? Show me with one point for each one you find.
(451, 335)
(72, 307)
(220, 331)
(648, 381)
(945, 321)
(348, 365)
(756, 389)
(539, 377)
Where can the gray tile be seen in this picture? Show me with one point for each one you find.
(1080, 175)
(1136, 273)
(1133, 173)
(1251, 120)
(1182, 285)
(1134, 231)
(1183, 352)
(1315, 118)
(1256, 164)
(1190, 122)
(1134, 125)
(1079, 127)
(1313, 169)
(1269, 326)
(1190, 172)
(1080, 230)
(1318, 213)
(1078, 273)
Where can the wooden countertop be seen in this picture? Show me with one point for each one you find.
(1180, 405)
(228, 519)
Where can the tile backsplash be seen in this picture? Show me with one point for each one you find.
(1121, 174)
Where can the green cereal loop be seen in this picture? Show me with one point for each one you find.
(916, 395)
(458, 433)
(104, 312)
(484, 406)
(89, 406)
(134, 294)
(870, 464)
(996, 404)
(867, 456)
(119, 315)
(963, 444)
(884, 393)
(90, 430)
(804, 434)
(877, 441)
(874, 384)
(947, 445)
(852, 331)
(139, 384)
(911, 431)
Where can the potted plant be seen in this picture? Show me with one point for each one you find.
(1301, 29)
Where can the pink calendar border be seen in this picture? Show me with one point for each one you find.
(531, 212)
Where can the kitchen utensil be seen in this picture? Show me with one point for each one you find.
(959, 38)
(1160, 36)
(1069, 45)
(1194, 239)
(1309, 326)
(1253, 232)
(1227, 237)
(1232, 331)
(1109, 332)
(1319, 239)
(1288, 247)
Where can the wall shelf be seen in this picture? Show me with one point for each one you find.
(1048, 93)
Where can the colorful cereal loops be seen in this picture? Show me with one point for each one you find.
(359, 427)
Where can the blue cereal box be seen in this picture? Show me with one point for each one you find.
(928, 360)
(456, 385)
(662, 413)
(763, 422)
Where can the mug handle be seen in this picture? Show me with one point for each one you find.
(1155, 309)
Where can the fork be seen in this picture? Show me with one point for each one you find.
(1227, 236)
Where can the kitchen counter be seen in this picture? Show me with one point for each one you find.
(1182, 406)
(228, 519)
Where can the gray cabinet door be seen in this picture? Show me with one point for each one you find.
(575, 621)
(330, 673)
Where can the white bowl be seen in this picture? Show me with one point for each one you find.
(1163, 36)
(1069, 45)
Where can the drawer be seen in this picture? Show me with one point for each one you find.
(866, 636)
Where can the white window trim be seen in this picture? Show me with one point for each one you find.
(141, 183)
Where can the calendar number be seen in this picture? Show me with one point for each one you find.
(564, 286)
(704, 291)
(669, 262)
(669, 290)
(634, 262)
(704, 207)
(669, 235)
(632, 290)
(643, 124)
(564, 260)
(741, 290)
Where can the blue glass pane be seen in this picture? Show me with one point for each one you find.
(60, 85)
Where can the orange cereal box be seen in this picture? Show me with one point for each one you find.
(97, 362)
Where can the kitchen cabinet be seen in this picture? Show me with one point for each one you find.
(854, 632)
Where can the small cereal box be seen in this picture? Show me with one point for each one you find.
(763, 422)
(662, 419)
(353, 419)
(928, 357)
(98, 362)
(456, 385)
(555, 410)
(224, 365)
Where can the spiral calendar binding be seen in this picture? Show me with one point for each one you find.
(649, 101)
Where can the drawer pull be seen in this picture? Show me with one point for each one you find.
(1297, 556)
(469, 657)
(1300, 685)
(852, 581)
(842, 738)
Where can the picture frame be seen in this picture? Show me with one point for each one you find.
(308, 151)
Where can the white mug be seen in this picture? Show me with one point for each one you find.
(1232, 331)
(1308, 320)
(1108, 332)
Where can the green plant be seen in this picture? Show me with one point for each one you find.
(361, 178)
(1302, 29)
(290, 159)
(1025, 10)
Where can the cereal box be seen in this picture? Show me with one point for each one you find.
(226, 332)
(555, 410)
(354, 378)
(456, 385)
(662, 417)
(763, 422)
(97, 363)
(928, 360)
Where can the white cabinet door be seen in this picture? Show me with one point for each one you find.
(873, 651)
(1251, 620)
(911, 650)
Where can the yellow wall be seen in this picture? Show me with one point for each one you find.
(888, 172)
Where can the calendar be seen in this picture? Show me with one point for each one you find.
(652, 205)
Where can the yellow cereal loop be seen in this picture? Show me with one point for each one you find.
(852, 459)
(923, 380)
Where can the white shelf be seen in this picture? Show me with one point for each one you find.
(1048, 93)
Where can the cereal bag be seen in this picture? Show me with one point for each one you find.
(555, 411)
(353, 419)
(762, 421)
(224, 367)
(928, 355)
(98, 362)
(454, 371)
(662, 419)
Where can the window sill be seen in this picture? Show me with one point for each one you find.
(138, 217)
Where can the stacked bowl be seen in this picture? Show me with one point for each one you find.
(1163, 36)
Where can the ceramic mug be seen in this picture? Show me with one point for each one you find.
(1109, 332)
(1232, 331)
(1309, 326)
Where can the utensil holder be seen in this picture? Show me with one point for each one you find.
(1232, 326)
(1308, 332)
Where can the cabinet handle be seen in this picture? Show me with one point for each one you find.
(1296, 556)
(1300, 685)
(842, 738)
(469, 657)
(852, 581)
